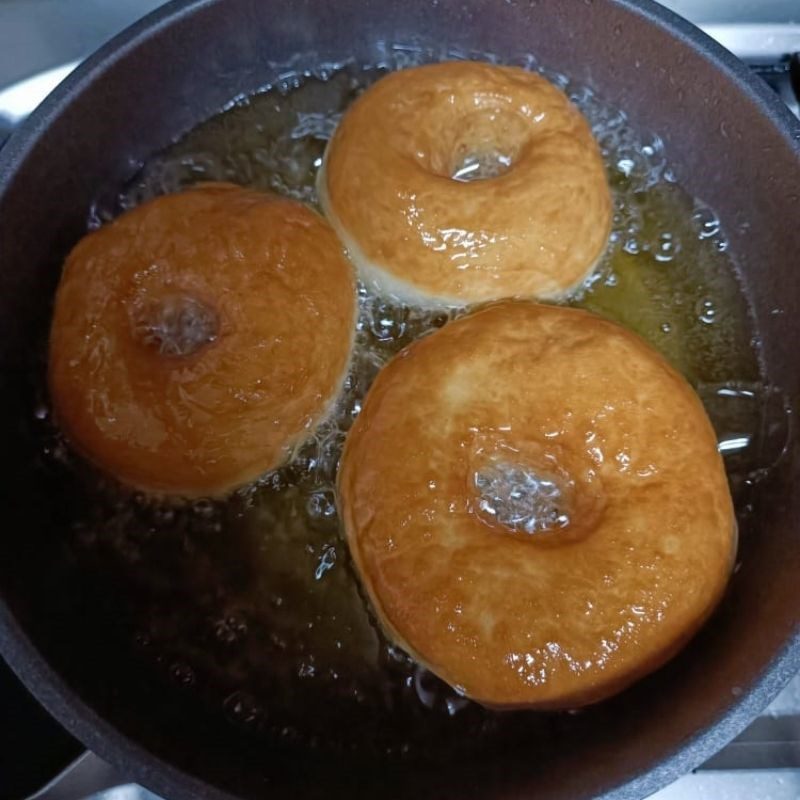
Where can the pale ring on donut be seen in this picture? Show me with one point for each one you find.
(200, 337)
(534, 227)
(536, 506)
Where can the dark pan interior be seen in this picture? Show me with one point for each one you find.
(732, 144)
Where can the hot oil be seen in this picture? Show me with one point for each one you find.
(251, 607)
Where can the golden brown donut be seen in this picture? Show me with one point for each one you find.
(536, 506)
(200, 337)
(415, 232)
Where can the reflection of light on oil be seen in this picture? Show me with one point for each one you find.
(733, 444)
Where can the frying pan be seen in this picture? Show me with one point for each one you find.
(732, 144)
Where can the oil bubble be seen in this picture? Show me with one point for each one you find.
(519, 498)
(706, 311)
(632, 246)
(242, 709)
(230, 630)
(326, 561)
(163, 515)
(434, 694)
(306, 670)
(386, 321)
(666, 248)
(204, 508)
(181, 674)
(321, 505)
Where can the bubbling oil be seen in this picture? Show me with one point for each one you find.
(251, 606)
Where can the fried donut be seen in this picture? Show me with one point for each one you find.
(536, 506)
(199, 338)
(392, 185)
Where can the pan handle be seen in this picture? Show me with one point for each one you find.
(88, 776)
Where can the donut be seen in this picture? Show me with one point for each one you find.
(392, 184)
(535, 504)
(197, 339)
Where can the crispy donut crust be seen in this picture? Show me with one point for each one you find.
(273, 276)
(566, 616)
(535, 231)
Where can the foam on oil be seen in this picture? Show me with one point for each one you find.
(251, 607)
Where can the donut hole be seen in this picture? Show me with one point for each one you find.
(481, 166)
(176, 324)
(522, 499)
(533, 491)
(481, 145)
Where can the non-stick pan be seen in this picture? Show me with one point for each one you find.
(731, 143)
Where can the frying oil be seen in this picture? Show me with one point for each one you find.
(251, 607)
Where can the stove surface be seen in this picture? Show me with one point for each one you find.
(41, 41)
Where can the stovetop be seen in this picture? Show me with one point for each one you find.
(41, 41)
